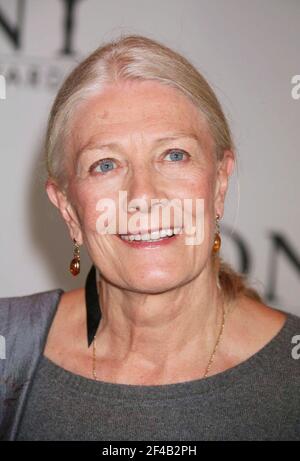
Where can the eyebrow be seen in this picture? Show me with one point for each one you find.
(115, 145)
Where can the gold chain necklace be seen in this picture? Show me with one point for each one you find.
(211, 359)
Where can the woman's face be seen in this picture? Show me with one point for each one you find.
(149, 141)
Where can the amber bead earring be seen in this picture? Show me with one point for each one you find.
(217, 241)
(75, 263)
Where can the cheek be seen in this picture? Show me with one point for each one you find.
(87, 199)
(200, 186)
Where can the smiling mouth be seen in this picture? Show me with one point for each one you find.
(154, 236)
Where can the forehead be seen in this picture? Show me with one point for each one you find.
(136, 110)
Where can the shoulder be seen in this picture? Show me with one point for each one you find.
(271, 333)
(260, 319)
(19, 309)
(24, 322)
(69, 320)
(39, 299)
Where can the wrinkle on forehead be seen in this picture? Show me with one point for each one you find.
(139, 112)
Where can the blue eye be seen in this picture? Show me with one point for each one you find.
(103, 166)
(176, 154)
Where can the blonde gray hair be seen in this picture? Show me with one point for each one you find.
(135, 57)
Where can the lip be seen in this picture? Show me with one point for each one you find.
(140, 244)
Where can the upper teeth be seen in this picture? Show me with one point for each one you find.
(155, 235)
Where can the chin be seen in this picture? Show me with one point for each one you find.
(155, 283)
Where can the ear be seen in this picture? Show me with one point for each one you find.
(225, 169)
(61, 201)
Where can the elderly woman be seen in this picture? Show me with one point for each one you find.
(165, 341)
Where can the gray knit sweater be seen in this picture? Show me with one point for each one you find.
(259, 399)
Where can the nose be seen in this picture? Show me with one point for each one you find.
(143, 186)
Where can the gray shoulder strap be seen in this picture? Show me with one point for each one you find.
(24, 325)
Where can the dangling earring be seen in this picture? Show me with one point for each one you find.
(217, 241)
(75, 263)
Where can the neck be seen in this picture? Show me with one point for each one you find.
(157, 330)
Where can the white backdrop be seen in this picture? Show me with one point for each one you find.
(248, 51)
